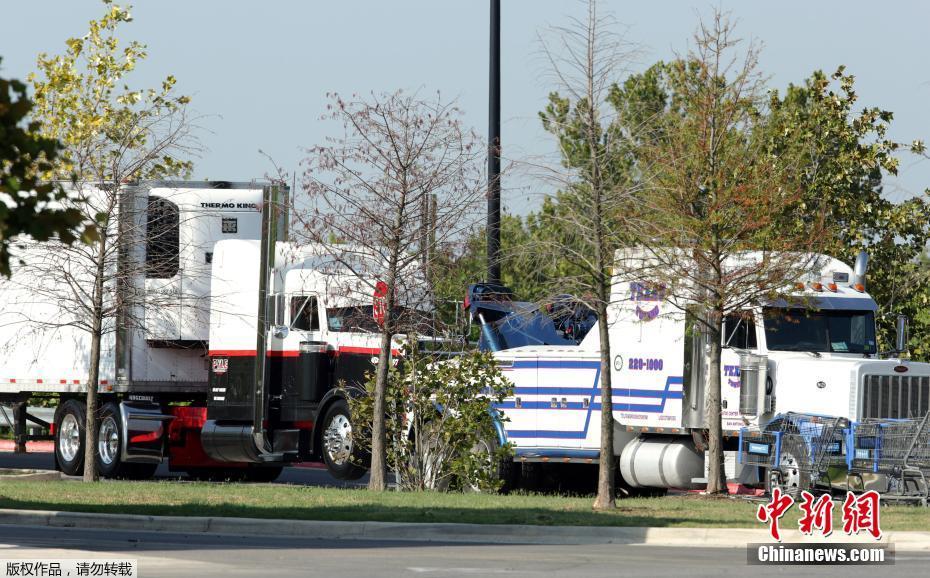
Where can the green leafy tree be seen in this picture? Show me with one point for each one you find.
(845, 154)
(111, 135)
(31, 205)
(714, 191)
(527, 276)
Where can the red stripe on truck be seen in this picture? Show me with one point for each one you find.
(251, 353)
(346, 349)
(233, 353)
(365, 350)
(283, 353)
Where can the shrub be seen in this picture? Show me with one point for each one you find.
(441, 423)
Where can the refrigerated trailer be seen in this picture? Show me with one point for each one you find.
(204, 280)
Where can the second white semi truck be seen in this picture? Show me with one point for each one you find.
(815, 352)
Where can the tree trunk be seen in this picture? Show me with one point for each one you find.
(378, 476)
(93, 376)
(716, 476)
(378, 479)
(606, 462)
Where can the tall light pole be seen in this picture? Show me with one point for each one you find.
(494, 147)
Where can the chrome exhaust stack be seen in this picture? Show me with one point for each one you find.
(859, 270)
(245, 437)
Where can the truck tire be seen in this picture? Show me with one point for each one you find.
(109, 448)
(503, 470)
(793, 474)
(109, 444)
(69, 437)
(340, 454)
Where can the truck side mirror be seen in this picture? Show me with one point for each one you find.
(901, 334)
(280, 331)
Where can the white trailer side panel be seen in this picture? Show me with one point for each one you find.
(45, 347)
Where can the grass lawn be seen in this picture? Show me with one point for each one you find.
(172, 498)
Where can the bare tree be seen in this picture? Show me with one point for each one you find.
(710, 228)
(595, 188)
(111, 135)
(402, 183)
(96, 288)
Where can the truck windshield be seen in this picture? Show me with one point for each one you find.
(360, 319)
(819, 331)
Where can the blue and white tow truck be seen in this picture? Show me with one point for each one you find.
(814, 352)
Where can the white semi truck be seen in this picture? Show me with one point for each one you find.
(206, 285)
(814, 352)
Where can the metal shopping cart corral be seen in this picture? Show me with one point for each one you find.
(896, 452)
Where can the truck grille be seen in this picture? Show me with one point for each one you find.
(895, 396)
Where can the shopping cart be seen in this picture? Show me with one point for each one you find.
(797, 450)
(894, 451)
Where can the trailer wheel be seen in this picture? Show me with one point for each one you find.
(339, 452)
(110, 442)
(109, 448)
(69, 437)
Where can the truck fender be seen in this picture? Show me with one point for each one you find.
(144, 431)
(498, 426)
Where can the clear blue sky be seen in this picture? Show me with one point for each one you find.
(258, 71)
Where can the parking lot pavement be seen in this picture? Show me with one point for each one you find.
(306, 474)
(167, 554)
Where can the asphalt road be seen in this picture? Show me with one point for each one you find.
(164, 554)
(306, 476)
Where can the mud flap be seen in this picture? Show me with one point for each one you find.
(144, 427)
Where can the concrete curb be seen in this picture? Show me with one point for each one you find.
(464, 533)
(26, 475)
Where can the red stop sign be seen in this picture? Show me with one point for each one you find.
(379, 302)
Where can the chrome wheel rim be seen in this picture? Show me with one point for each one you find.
(108, 441)
(338, 439)
(790, 474)
(69, 438)
(483, 451)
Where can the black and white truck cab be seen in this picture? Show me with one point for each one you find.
(180, 381)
